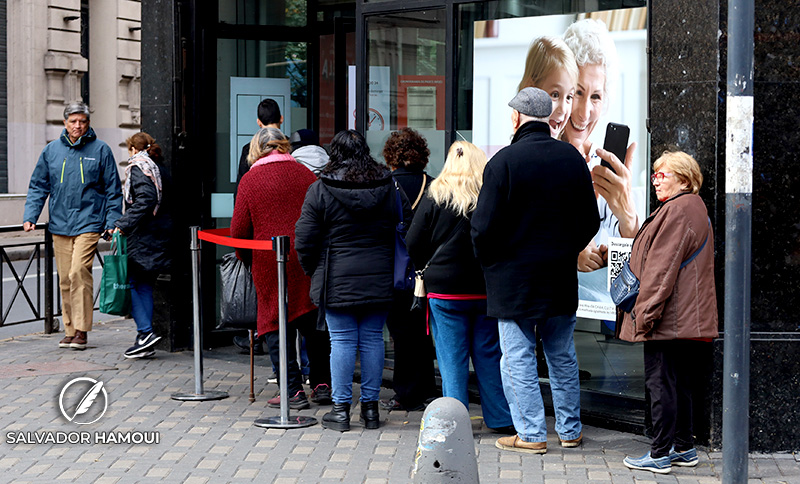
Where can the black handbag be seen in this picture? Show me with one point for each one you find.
(403, 268)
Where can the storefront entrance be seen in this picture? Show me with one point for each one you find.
(445, 68)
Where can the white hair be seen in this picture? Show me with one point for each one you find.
(76, 108)
(591, 43)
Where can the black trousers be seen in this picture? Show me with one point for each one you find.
(669, 367)
(318, 347)
(414, 378)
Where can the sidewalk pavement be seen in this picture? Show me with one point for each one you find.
(215, 441)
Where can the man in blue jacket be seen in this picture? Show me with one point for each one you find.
(535, 213)
(79, 174)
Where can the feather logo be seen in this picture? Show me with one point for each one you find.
(87, 400)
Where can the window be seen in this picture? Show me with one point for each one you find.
(289, 13)
(406, 73)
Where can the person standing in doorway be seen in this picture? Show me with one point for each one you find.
(306, 150)
(268, 116)
(79, 175)
(536, 211)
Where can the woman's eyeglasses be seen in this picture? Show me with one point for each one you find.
(659, 175)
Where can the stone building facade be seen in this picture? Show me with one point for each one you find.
(60, 51)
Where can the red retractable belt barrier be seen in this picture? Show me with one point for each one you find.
(280, 244)
(223, 237)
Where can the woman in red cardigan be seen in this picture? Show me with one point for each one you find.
(268, 204)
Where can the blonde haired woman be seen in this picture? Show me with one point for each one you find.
(439, 240)
(551, 67)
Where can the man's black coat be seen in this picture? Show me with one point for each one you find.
(536, 211)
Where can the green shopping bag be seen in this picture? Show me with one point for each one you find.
(115, 289)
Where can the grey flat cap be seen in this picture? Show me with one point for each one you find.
(532, 102)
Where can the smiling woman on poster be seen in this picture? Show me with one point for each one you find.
(598, 71)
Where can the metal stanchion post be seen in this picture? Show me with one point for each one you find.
(198, 334)
(281, 246)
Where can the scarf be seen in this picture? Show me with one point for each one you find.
(272, 157)
(149, 168)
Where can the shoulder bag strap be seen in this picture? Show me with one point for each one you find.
(446, 241)
(698, 250)
(398, 203)
(421, 191)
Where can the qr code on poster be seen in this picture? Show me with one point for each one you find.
(619, 250)
(615, 261)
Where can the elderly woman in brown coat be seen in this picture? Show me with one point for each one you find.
(675, 314)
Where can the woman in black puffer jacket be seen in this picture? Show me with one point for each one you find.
(148, 228)
(345, 241)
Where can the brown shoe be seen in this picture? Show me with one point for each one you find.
(515, 444)
(572, 443)
(64, 343)
(78, 341)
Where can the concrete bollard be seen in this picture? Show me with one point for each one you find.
(446, 449)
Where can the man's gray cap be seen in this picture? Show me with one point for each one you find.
(532, 102)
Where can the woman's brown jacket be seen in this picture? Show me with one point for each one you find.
(673, 303)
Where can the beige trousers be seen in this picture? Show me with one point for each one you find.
(74, 257)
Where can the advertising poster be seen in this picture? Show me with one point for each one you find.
(378, 116)
(614, 91)
(420, 102)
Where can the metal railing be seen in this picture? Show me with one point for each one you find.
(46, 304)
(42, 308)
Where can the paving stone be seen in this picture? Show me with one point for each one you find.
(217, 441)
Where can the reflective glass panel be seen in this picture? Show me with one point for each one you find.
(249, 71)
(406, 71)
(291, 13)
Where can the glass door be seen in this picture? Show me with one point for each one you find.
(336, 66)
(406, 79)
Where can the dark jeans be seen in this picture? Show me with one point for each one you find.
(141, 297)
(318, 347)
(414, 379)
(669, 367)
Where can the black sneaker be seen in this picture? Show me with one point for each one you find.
(273, 378)
(322, 394)
(298, 402)
(142, 354)
(394, 405)
(143, 342)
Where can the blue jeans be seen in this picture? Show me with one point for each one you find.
(142, 302)
(521, 381)
(462, 330)
(356, 330)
